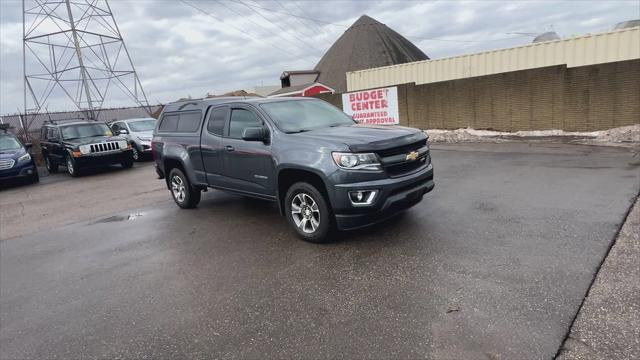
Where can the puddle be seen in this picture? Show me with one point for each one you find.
(117, 218)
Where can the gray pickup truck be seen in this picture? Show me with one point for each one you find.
(324, 171)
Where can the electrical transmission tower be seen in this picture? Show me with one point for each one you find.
(73, 49)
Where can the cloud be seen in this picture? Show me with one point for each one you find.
(179, 51)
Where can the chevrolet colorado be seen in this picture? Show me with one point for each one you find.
(323, 169)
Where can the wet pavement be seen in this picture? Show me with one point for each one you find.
(494, 263)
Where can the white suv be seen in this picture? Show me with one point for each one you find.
(139, 133)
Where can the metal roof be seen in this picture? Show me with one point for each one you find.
(591, 49)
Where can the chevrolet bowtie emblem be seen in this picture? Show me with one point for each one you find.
(412, 156)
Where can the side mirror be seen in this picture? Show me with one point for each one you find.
(28, 146)
(255, 134)
(123, 132)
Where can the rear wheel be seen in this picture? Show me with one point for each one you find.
(51, 167)
(308, 212)
(185, 195)
(72, 166)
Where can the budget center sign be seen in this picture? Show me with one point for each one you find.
(377, 106)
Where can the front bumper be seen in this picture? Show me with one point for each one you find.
(144, 146)
(394, 195)
(19, 172)
(103, 159)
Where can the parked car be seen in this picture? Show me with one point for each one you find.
(82, 144)
(138, 132)
(15, 161)
(323, 170)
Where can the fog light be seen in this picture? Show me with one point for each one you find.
(362, 197)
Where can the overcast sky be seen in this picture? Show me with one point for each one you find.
(179, 51)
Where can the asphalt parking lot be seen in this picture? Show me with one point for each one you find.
(493, 264)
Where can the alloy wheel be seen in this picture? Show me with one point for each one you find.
(70, 168)
(135, 154)
(305, 213)
(178, 189)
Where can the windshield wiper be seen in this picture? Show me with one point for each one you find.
(299, 131)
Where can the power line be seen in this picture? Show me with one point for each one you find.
(464, 41)
(291, 14)
(304, 25)
(242, 31)
(346, 26)
(257, 24)
(269, 20)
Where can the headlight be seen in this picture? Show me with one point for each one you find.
(364, 161)
(85, 149)
(25, 157)
(144, 138)
(123, 144)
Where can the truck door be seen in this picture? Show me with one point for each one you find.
(248, 165)
(211, 145)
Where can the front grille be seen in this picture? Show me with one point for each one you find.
(402, 149)
(395, 164)
(105, 147)
(6, 164)
(406, 167)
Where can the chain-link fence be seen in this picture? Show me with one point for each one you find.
(27, 127)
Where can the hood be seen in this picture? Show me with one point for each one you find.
(12, 154)
(93, 140)
(359, 137)
(148, 133)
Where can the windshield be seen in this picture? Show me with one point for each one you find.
(85, 130)
(142, 125)
(9, 143)
(303, 115)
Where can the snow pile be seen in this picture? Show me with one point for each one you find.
(626, 135)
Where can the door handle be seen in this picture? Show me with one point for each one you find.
(229, 148)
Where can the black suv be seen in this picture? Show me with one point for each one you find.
(82, 144)
(324, 170)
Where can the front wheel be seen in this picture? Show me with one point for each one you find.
(185, 195)
(135, 154)
(72, 166)
(35, 177)
(127, 164)
(308, 212)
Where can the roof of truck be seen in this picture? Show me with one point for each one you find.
(202, 104)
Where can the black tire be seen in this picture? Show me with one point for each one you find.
(35, 177)
(51, 167)
(127, 164)
(72, 166)
(312, 220)
(185, 195)
(136, 155)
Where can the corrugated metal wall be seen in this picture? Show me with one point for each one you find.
(586, 98)
(613, 46)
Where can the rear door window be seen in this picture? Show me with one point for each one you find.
(217, 120)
